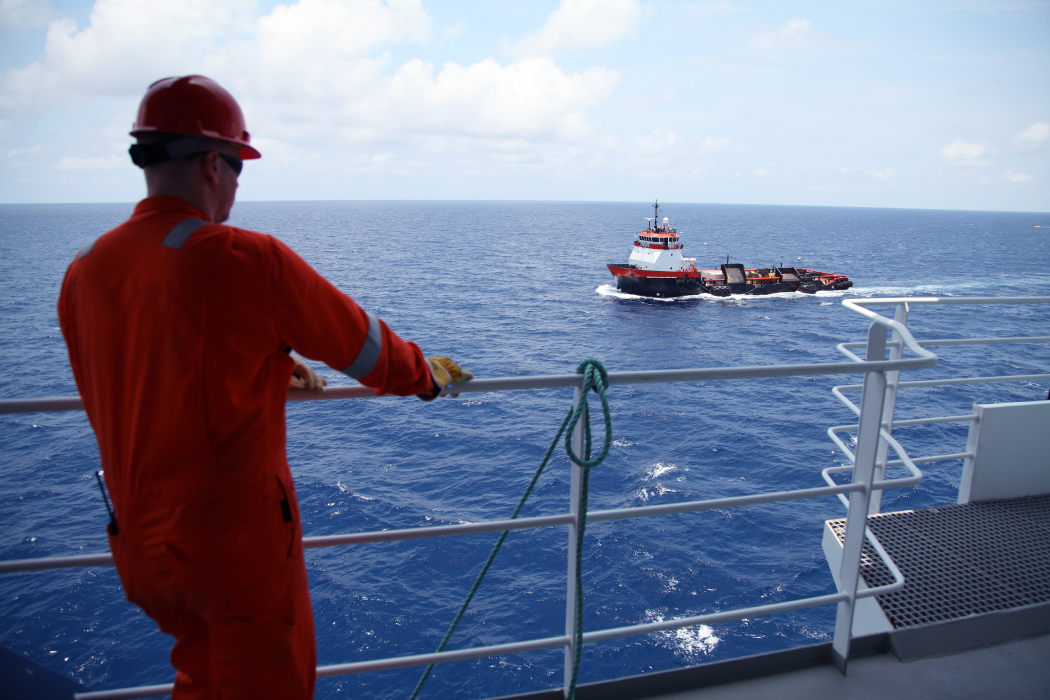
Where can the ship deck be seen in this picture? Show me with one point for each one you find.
(973, 620)
(1014, 669)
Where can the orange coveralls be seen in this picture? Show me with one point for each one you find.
(179, 343)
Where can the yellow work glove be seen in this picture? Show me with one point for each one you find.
(446, 372)
(304, 378)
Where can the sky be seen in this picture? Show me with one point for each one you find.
(939, 104)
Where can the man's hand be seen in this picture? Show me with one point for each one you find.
(304, 378)
(446, 372)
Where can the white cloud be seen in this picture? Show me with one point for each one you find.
(310, 73)
(720, 144)
(130, 43)
(874, 174)
(583, 24)
(1034, 135)
(660, 153)
(32, 150)
(719, 8)
(792, 33)
(108, 163)
(530, 98)
(455, 30)
(24, 156)
(312, 30)
(964, 154)
(795, 25)
(658, 139)
(421, 107)
(127, 45)
(16, 15)
(763, 171)
(1016, 178)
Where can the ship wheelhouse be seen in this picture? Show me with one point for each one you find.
(652, 239)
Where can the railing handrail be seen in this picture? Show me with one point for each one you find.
(552, 381)
(941, 301)
(923, 360)
(427, 532)
(845, 348)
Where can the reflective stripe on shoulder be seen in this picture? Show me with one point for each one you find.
(86, 249)
(182, 231)
(369, 354)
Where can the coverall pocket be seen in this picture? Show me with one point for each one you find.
(289, 512)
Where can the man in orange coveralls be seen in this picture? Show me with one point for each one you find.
(179, 331)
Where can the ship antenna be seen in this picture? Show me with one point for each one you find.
(656, 214)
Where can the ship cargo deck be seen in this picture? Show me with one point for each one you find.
(972, 621)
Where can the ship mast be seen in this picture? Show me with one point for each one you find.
(656, 215)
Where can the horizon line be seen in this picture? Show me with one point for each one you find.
(553, 201)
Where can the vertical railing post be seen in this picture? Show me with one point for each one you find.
(888, 408)
(863, 471)
(575, 492)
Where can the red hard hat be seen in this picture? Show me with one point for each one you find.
(195, 106)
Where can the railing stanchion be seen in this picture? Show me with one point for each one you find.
(575, 492)
(863, 471)
(888, 408)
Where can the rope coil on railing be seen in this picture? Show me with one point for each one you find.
(595, 378)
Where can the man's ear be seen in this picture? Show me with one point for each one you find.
(210, 163)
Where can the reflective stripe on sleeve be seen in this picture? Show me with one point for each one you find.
(85, 250)
(369, 354)
(181, 233)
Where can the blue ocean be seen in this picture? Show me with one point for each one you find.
(518, 289)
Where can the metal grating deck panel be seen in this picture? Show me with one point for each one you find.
(960, 560)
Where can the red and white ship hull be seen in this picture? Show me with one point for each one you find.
(653, 283)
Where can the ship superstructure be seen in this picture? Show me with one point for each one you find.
(657, 248)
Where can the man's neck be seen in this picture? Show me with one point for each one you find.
(197, 202)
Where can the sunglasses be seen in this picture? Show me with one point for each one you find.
(233, 161)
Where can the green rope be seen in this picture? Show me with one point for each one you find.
(596, 379)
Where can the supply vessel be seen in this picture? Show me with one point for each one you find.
(657, 268)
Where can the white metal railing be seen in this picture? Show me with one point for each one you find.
(901, 316)
(868, 470)
(878, 403)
